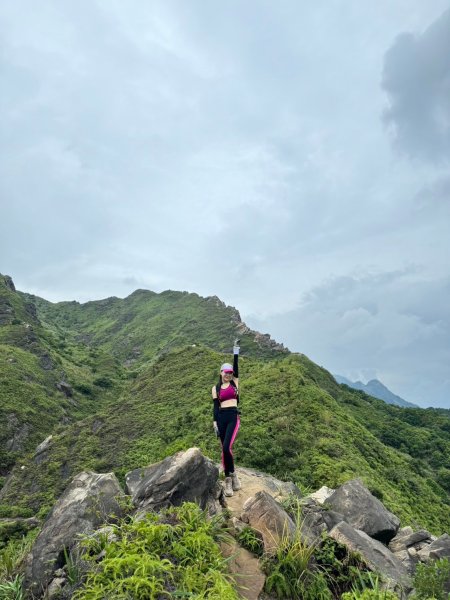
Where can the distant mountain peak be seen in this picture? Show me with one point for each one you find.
(376, 388)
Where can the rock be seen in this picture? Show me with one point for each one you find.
(255, 481)
(405, 541)
(185, 477)
(43, 446)
(55, 587)
(65, 388)
(20, 436)
(46, 361)
(8, 282)
(265, 515)
(375, 554)
(245, 570)
(439, 548)
(363, 511)
(88, 501)
(315, 520)
(321, 495)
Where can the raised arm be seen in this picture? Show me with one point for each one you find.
(236, 349)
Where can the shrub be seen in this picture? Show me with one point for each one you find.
(429, 580)
(103, 382)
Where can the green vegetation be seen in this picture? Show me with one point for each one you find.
(174, 555)
(430, 580)
(290, 427)
(12, 557)
(141, 370)
(249, 539)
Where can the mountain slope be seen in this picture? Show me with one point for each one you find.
(45, 383)
(375, 388)
(291, 427)
(66, 360)
(145, 324)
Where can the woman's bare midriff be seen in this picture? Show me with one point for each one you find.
(228, 403)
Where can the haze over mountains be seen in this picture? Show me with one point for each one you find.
(120, 383)
(375, 388)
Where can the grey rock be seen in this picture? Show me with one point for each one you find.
(363, 511)
(43, 446)
(264, 514)
(375, 554)
(20, 436)
(88, 501)
(322, 494)
(316, 520)
(185, 477)
(65, 388)
(405, 541)
(46, 362)
(439, 548)
(55, 587)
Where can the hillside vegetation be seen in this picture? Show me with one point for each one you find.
(142, 391)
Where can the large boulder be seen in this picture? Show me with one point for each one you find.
(88, 501)
(377, 557)
(363, 511)
(185, 477)
(264, 514)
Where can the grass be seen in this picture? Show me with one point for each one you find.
(171, 555)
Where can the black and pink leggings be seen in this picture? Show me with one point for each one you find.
(228, 422)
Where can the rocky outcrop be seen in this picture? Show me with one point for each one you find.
(407, 544)
(88, 502)
(363, 511)
(190, 476)
(375, 555)
(185, 477)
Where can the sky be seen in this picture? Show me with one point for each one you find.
(291, 158)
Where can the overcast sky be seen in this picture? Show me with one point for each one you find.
(292, 158)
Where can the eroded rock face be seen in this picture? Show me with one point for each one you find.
(363, 511)
(185, 477)
(88, 502)
(375, 554)
(265, 515)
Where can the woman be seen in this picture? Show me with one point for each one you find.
(226, 417)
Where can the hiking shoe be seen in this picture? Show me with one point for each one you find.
(228, 487)
(235, 482)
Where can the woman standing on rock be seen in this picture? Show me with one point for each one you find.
(226, 417)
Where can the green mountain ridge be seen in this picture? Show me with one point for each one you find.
(297, 422)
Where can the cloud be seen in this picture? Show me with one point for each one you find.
(416, 77)
(234, 150)
(394, 325)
